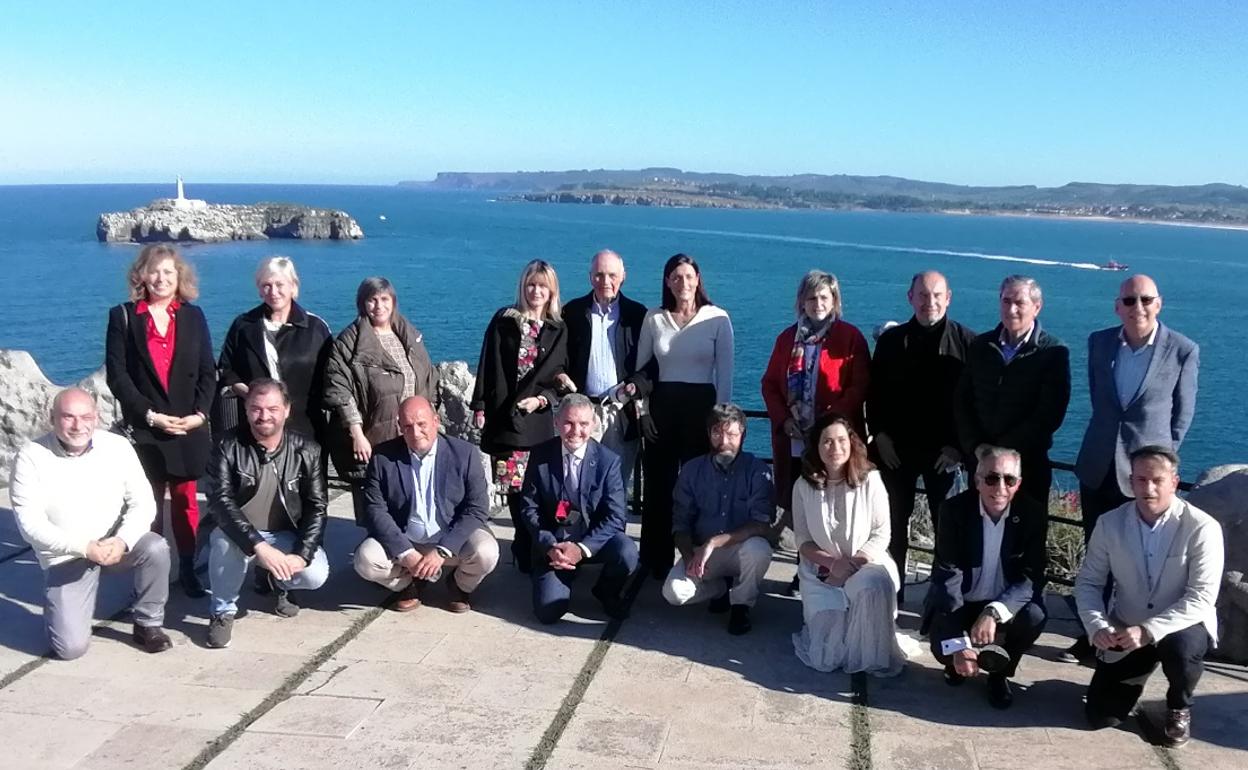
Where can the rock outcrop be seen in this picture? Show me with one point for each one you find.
(1222, 492)
(166, 220)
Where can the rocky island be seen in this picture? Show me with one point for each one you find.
(189, 220)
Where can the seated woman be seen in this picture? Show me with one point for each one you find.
(848, 581)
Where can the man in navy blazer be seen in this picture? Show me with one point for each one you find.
(573, 503)
(426, 507)
(1142, 381)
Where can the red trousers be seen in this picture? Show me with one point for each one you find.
(183, 512)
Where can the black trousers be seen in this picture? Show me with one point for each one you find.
(1116, 686)
(901, 483)
(521, 541)
(679, 411)
(1016, 635)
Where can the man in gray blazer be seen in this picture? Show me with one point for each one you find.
(1142, 380)
(1167, 556)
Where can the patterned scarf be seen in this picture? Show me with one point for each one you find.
(807, 339)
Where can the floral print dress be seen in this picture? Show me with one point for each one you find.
(509, 467)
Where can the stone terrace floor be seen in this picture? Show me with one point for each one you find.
(349, 684)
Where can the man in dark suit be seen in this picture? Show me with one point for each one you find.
(1142, 381)
(988, 576)
(603, 327)
(574, 507)
(426, 507)
(1015, 387)
(914, 375)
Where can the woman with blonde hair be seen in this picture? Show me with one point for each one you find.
(523, 355)
(848, 580)
(158, 363)
(281, 340)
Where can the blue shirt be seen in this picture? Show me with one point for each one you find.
(1130, 366)
(1008, 351)
(422, 523)
(710, 500)
(604, 324)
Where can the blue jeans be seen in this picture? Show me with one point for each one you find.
(227, 568)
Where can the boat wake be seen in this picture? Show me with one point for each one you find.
(880, 247)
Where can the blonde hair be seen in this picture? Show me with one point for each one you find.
(547, 272)
(813, 282)
(149, 257)
(277, 265)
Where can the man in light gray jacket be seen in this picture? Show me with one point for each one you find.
(1167, 559)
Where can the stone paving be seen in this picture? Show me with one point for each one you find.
(349, 684)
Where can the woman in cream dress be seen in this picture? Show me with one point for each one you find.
(848, 581)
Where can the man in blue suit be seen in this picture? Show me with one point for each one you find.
(573, 503)
(426, 507)
(1142, 380)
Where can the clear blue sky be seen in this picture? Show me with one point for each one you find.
(374, 92)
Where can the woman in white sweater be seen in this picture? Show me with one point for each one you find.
(848, 581)
(684, 355)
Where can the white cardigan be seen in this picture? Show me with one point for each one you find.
(868, 521)
(700, 352)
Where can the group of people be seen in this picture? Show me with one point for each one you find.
(567, 396)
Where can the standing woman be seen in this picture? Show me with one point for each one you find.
(524, 352)
(375, 363)
(849, 582)
(158, 359)
(279, 339)
(818, 366)
(685, 353)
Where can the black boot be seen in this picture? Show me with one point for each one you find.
(188, 579)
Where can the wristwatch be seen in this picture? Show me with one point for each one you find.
(991, 612)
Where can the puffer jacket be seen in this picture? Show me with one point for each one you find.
(237, 463)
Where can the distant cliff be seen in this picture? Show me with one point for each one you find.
(165, 220)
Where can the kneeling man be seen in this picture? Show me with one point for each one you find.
(268, 500)
(83, 503)
(988, 575)
(573, 503)
(721, 511)
(1166, 557)
(426, 506)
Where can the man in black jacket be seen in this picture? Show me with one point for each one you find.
(603, 327)
(988, 576)
(269, 503)
(914, 375)
(1015, 387)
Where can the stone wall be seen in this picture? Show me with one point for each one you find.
(1222, 492)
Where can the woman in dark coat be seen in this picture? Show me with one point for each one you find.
(158, 359)
(524, 352)
(375, 363)
(281, 340)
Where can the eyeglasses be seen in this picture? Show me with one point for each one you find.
(1144, 299)
(993, 479)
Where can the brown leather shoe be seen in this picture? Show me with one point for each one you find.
(409, 598)
(461, 600)
(152, 639)
(1178, 727)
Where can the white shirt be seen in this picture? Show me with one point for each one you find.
(271, 328)
(989, 580)
(422, 522)
(1155, 541)
(62, 502)
(699, 352)
(1130, 366)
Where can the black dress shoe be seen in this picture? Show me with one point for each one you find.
(999, 693)
(1178, 729)
(721, 603)
(152, 639)
(612, 603)
(739, 620)
(992, 659)
(953, 678)
(1078, 652)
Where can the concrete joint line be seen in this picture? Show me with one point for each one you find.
(859, 724)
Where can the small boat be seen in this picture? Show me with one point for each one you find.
(382, 217)
(1114, 265)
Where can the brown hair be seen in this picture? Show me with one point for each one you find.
(149, 257)
(856, 468)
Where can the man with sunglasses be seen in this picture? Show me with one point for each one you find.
(1142, 381)
(988, 576)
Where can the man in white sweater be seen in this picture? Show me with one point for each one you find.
(82, 502)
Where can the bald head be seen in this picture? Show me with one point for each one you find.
(929, 295)
(1137, 306)
(74, 419)
(418, 422)
(606, 275)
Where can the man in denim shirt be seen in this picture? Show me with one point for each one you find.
(721, 509)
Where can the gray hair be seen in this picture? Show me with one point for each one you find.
(278, 265)
(1033, 288)
(73, 390)
(813, 282)
(574, 401)
(986, 452)
(722, 413)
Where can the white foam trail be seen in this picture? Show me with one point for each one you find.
(878, 247)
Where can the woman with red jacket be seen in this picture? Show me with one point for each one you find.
(819, 365)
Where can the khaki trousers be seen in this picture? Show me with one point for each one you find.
(477, 558)
(746, 562)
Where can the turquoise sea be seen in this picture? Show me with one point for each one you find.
(455, 257)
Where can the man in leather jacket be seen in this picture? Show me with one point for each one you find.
(269, 503)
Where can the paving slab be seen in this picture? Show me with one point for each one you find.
(145, 745)
(32, 741)
(318, 715)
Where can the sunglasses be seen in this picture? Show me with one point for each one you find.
(1144, 299)
(993, 479)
